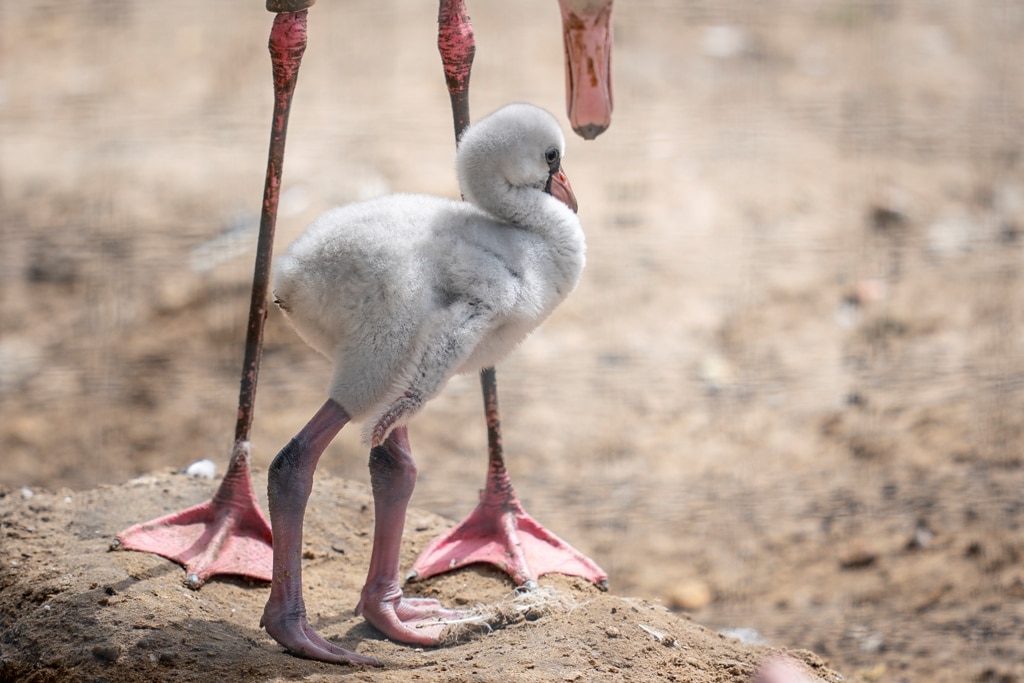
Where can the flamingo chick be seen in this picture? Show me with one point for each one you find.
(401, 293)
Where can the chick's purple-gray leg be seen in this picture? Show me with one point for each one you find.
(290, 481)
(409, 620)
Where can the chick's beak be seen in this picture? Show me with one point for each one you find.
(559, 188)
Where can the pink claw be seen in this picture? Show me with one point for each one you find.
(292, 630)
(417, 621)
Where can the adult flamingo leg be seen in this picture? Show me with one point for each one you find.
(498, 531)
(229, 533)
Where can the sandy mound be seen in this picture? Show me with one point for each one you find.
(71, 609)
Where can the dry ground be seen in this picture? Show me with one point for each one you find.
(788, 395)
(85, 614)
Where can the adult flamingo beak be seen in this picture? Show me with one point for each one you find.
(559, 188)
(587, 30)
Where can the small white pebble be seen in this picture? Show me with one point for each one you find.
(26, 492)
(745, 635)
(202, 468)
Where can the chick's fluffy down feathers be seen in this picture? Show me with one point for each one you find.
(403, 291)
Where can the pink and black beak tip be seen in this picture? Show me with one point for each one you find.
(590, 131)
(588, 37)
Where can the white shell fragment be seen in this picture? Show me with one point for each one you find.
(204, 468)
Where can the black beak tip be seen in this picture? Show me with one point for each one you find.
(590, 131)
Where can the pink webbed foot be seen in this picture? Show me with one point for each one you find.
(500, 532)
(416, 621)
(226, 535)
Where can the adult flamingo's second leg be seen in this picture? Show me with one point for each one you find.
(498, 531)
(229, 533)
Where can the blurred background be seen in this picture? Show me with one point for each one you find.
(788, 395)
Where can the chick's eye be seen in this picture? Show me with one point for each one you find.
(551, 157)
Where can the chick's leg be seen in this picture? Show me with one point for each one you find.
(290, 481)
(417, 621)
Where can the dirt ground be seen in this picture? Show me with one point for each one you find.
(121, 616)
(787, 397)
